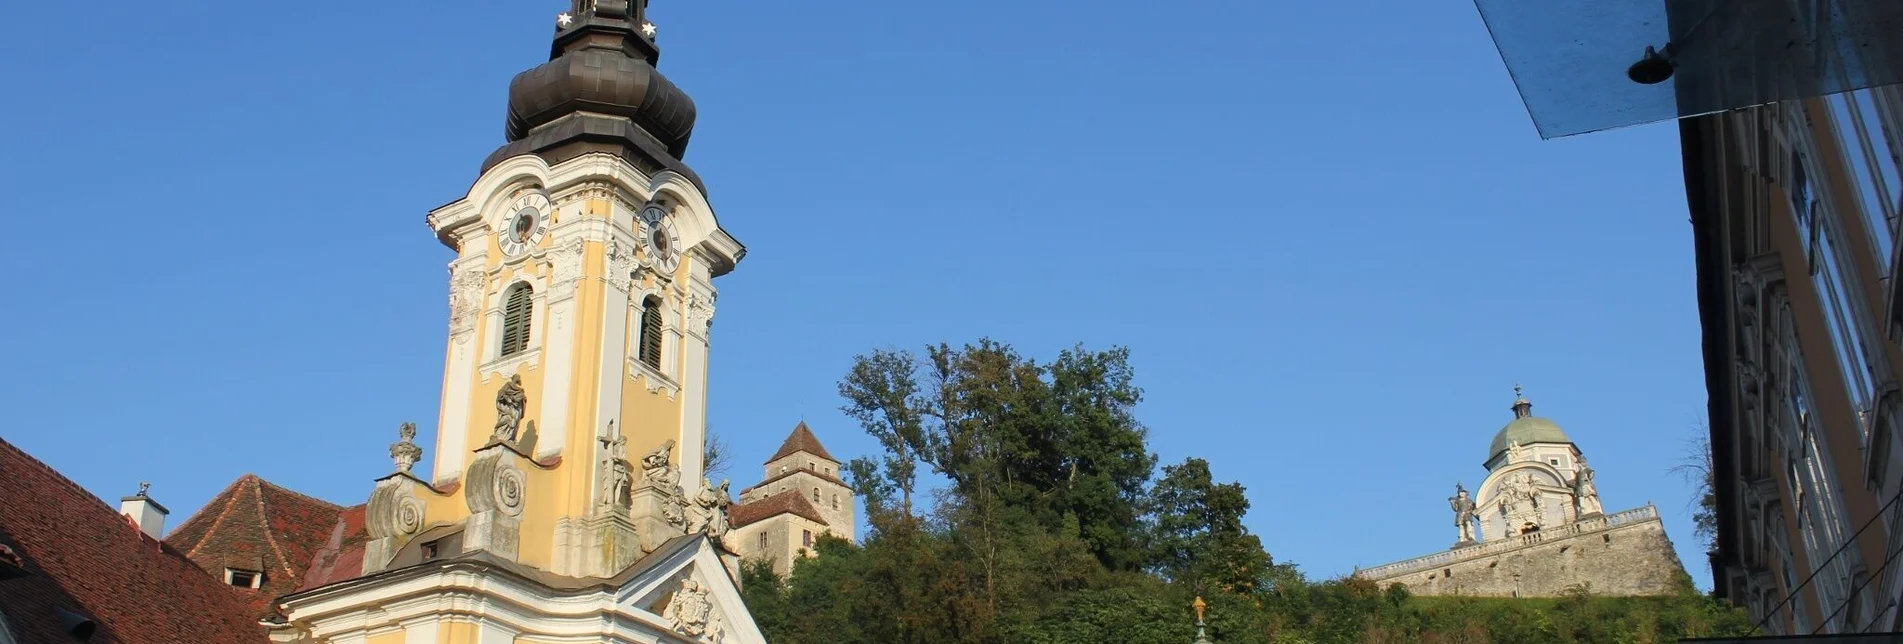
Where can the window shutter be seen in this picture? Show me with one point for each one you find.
(651, 333)
(515, 320)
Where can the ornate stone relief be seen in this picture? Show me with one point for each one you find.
(465, 299)
(622, 265)
(566, 266)
(700, 312)
(692, 613)
(1519, 503)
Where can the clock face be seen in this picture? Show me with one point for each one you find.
(657, 233)
(525, 223)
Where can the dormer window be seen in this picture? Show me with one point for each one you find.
(237, 578)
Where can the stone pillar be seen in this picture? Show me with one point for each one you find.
(494, 491)
(393, 516)
(657, 514)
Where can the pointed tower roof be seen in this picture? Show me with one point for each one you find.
(802, 440)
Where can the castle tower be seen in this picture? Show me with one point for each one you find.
(801, 498)
(567, 479)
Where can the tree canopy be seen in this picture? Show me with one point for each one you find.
(1054, 526)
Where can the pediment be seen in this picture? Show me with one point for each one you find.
(691, 591)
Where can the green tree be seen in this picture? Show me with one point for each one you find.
(1196, 535)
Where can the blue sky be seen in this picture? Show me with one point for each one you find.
(1327, 231)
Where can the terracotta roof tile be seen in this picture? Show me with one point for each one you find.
(790, 501)
(341, 557)
(802, 440)
(83, 556)
(255, 525)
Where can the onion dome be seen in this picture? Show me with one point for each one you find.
(600, 92)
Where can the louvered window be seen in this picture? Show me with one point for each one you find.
(515, 320)
(651, 333)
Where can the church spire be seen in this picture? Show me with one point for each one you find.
(1521, 408)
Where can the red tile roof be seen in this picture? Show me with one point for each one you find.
(254, 525)
(341, 558)
(790, 501)
(83, 556)
(802, 440)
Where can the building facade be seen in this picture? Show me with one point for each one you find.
(1794, 212)
(567, 501)
(801, 498)
(1536, 528)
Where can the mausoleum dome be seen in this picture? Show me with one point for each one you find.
(1526, 429)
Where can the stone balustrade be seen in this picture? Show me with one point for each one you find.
(1486, 548)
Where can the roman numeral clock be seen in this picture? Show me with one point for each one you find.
(527, 224)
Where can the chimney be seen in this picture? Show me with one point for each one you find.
(145, 512)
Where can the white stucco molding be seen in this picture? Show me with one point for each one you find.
(455, 590)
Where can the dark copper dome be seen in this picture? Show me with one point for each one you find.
(599, 92)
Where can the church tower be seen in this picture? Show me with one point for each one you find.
(566, 497)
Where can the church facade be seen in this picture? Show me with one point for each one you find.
(1536, 528)
(567, 500)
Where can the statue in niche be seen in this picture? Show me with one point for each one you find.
(713, 503)
(1585, 493)
(510, 402)
(1463, 513)
(615, 475)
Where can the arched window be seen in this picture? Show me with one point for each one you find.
(815, 495)
(651, 332)
(515, 319)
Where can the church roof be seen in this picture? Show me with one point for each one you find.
(257, 526)
(788, 502)
(81, 556)
(802, 440)
(1525, 429)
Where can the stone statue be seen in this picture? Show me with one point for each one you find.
(1585, 494)
(713, 503)
(510, 401)
(404, 451)
(658, 471)
(691, 613)
(1463, 513)
(1515, 453)
(615, 474)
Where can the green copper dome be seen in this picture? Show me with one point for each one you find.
(1525, 430)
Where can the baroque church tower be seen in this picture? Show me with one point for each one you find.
(566, 501)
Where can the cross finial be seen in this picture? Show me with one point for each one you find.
(1516, 391)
